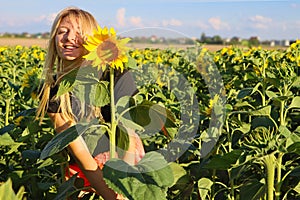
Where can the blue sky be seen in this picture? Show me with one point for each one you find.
(267, 19)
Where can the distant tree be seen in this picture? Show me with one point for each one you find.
(235, 40)
(217, 39)
(254, 41)
(203, 38)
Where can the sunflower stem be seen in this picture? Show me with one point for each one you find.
(113, 116)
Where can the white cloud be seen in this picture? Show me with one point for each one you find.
(260, 19)
(201, 25)
(121, 16)
(172, 22)
(218, 24)
(260, 22)
(136, 21)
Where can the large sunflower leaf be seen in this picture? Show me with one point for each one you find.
(95, 94)
(153, 117)
(62, 140)
(149, 179)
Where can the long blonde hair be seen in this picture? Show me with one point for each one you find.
(54, 64)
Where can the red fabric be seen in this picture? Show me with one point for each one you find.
(101, 160)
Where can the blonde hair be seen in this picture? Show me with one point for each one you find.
(87, 24)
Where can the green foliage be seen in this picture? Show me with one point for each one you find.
(7, 192)
(149, 179)
(225, 124)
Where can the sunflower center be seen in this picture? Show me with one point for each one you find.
(108, 51)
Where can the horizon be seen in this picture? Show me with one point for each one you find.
(147, 37)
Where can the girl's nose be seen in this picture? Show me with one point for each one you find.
(71, 36)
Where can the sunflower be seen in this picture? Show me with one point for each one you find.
(105, 49)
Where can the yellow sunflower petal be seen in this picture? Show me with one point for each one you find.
(104, 31)
(91, 56)
(119, 65)
(112, 31)
(89, 46)
(123, 58)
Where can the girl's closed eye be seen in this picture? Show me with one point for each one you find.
(62, 31)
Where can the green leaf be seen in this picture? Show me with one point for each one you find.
(204, 185)
(152, 117)
(7, 192)
(99, 94)
(243, 104)
(178, 171)
(67, 82)
(295, 103)
(122, 141)
(294, 148)
(66, 188)
(31, 154)
(296, 83)
(244, 128)
(87, 75)
(92, 136)
(295, 172)
(271, 94)
(86, 86)
(6, 140)
(7, 128)
(131, 64)
(20, 193)
(266, 122)
(224, 162)
(124, 103)
(62, 140)
(252, 190)
(149, 179)
(247, 91)
(45, 163)
(297, 188)
(95, 94)
(123, 107)
(244, 93)
(264, 111)
(131, 124)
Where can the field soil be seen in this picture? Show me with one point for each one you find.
(43, 43)
(23, 42)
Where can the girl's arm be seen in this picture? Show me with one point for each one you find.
(84, 159)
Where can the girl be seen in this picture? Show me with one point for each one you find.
(64, 54)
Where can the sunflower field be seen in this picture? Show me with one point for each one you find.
(230, 127)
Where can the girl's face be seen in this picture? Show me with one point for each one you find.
(69, 40)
